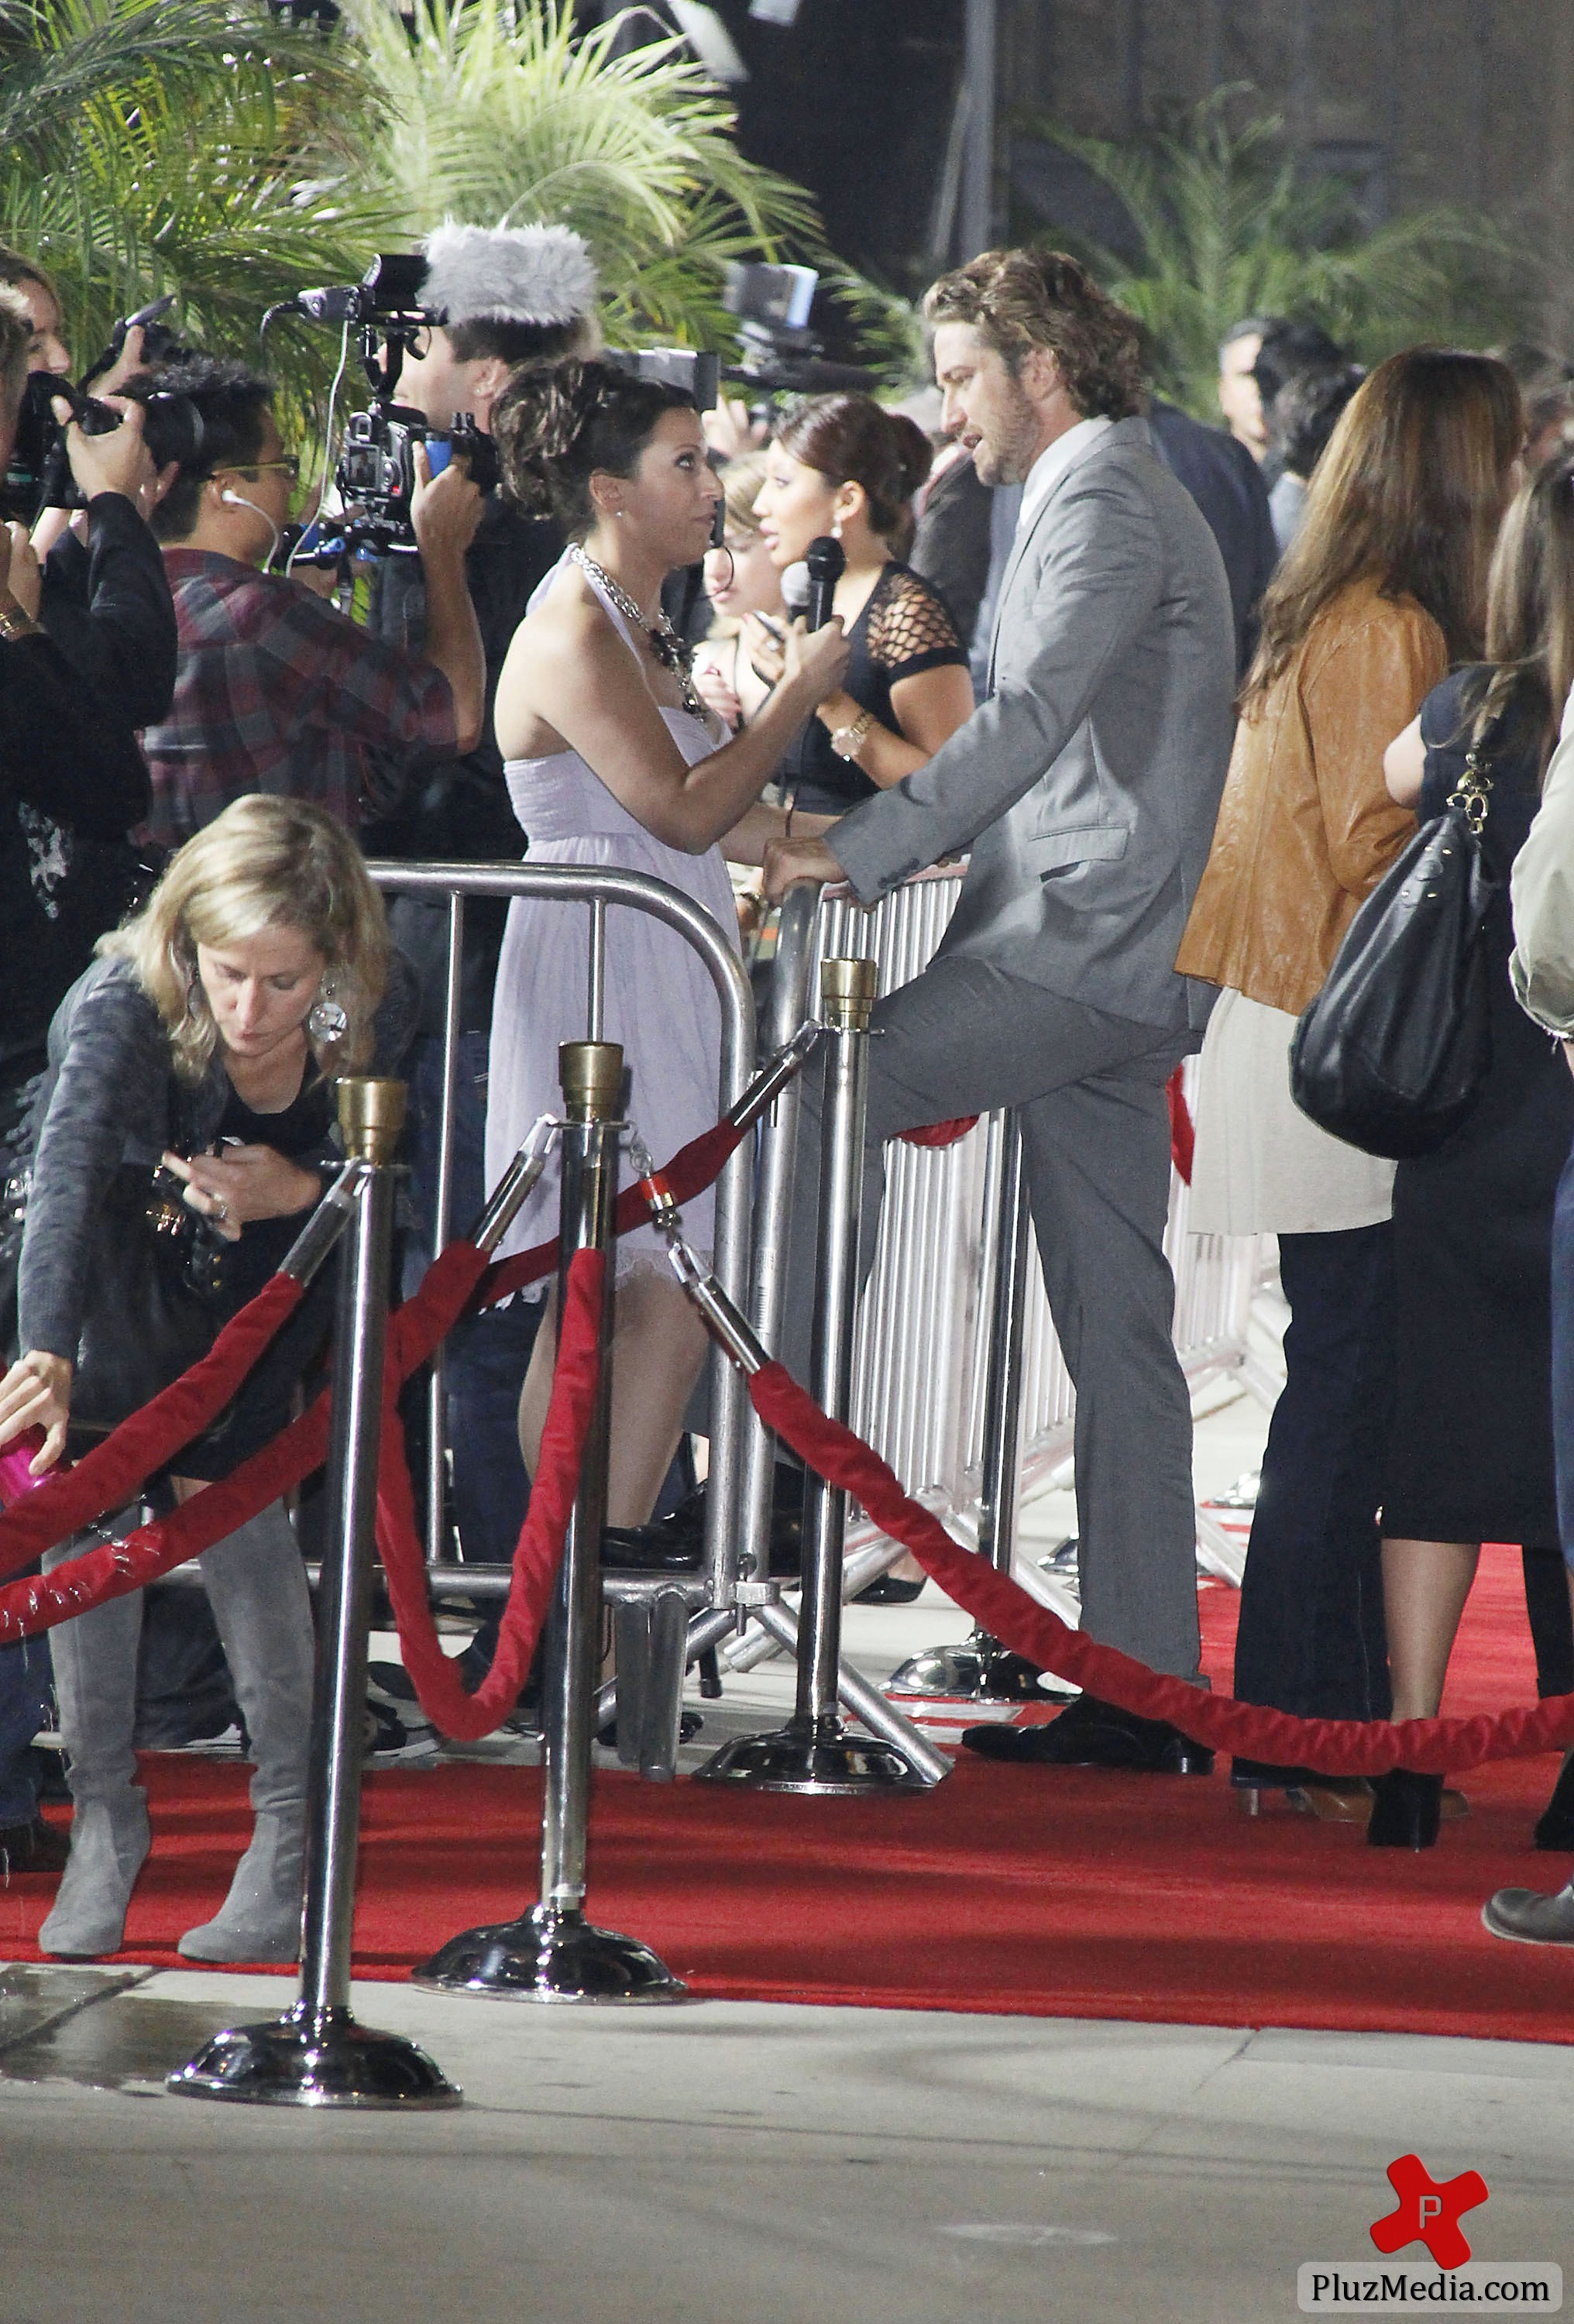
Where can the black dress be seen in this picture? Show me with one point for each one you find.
(1470, 1458)
(303, 1132)
(904, 628)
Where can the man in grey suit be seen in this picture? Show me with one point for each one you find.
(1085, 787)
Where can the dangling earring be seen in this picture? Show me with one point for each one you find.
(836, 525)
(328, 1019)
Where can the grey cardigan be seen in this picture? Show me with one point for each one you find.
(109, 1095)
(1087, 784)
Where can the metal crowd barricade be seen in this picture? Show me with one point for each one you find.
(732, 1420)
(922, 1371)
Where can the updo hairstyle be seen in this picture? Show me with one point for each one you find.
(851, 440)
(556, 424)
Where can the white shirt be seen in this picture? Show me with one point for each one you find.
(1050, 466)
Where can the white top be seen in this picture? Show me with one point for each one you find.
(1050, 466)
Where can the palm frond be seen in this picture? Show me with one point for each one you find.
(1229, 226)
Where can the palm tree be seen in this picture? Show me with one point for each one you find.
(1228, 226)
(185, 145)
(495, 113)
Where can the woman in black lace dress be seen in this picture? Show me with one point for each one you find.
(841, 464)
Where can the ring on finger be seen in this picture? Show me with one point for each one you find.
(220, 1208)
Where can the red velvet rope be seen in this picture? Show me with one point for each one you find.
(1182, 1136)
(107, 1476)
(940, 1133)
(1331, 1746)
(441, 1691)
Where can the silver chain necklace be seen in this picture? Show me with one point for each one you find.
(664, 642)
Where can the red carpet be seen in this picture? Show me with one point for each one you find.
(1096, 1896)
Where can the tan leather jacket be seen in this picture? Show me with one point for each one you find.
(1306, 826)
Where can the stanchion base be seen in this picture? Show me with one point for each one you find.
(979, 1670)
(314, 2058)
(820, 1757)
(550, 1956)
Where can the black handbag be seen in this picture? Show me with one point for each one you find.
(153, 1309)
(1392, 1054)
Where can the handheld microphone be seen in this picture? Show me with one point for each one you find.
(795, 589)
(827, 563)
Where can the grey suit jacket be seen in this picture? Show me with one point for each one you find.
(1087, 784)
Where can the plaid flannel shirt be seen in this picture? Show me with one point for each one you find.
(279, 691)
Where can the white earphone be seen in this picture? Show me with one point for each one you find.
(239, 500)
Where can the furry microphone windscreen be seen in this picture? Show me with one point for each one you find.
(523, 275)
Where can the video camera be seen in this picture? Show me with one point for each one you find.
(375, 476)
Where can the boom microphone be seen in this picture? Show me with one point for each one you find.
(827, 563)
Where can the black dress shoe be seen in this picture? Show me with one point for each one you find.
(1093, 1734)
(687, 1521)
(31, 1848)
(1555, 1824)
(1406, 1810)
(649, 1549)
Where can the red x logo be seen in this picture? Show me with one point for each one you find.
(1429, 2210)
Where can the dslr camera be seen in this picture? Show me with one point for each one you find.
(39, 475)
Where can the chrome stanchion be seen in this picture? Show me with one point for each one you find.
(981, 1669)
(317, 2054)
(552, 1952)
(815, 1752)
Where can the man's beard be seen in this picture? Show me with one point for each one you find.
(1008, 458)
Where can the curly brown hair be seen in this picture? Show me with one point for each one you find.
(1019, 299)
(556, 424)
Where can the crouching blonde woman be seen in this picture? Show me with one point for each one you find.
(258, 971)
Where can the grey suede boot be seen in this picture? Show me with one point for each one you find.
(258, 1588)
(94, 1663)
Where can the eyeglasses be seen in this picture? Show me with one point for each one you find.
(289, 464)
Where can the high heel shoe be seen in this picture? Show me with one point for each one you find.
(1406, 1810)
(1555, 1824)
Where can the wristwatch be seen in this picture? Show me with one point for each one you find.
(847, 742)
(15, 622)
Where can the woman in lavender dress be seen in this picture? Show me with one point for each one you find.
(612, 760)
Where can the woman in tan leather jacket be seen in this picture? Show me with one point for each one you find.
(1383, 587)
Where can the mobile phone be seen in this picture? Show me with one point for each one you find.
(772, 628)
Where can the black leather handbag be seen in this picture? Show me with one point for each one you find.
(1392, 1054)
(152, 1308)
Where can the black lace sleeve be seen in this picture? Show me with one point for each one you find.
(911, 629)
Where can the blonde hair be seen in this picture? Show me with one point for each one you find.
(263, 863)
(742, 478)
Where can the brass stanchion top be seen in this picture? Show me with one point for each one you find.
(592, 1076)
(847, 991)
(371, 1116)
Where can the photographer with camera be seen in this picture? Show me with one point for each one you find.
(275, 689)
(71, 775)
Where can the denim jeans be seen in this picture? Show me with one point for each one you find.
(24, 1701)
(1312, 1640)
(485, 1356)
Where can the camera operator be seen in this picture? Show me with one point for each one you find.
(70, 774)
(512, 296)
(276, 690)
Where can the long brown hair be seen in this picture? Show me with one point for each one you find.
(1530, 609)
(1409, 493)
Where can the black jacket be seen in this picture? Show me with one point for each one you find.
(72, 780)
(1227, 487)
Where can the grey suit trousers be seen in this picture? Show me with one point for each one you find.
(965, 1037)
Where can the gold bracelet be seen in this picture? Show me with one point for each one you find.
(847, 742)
